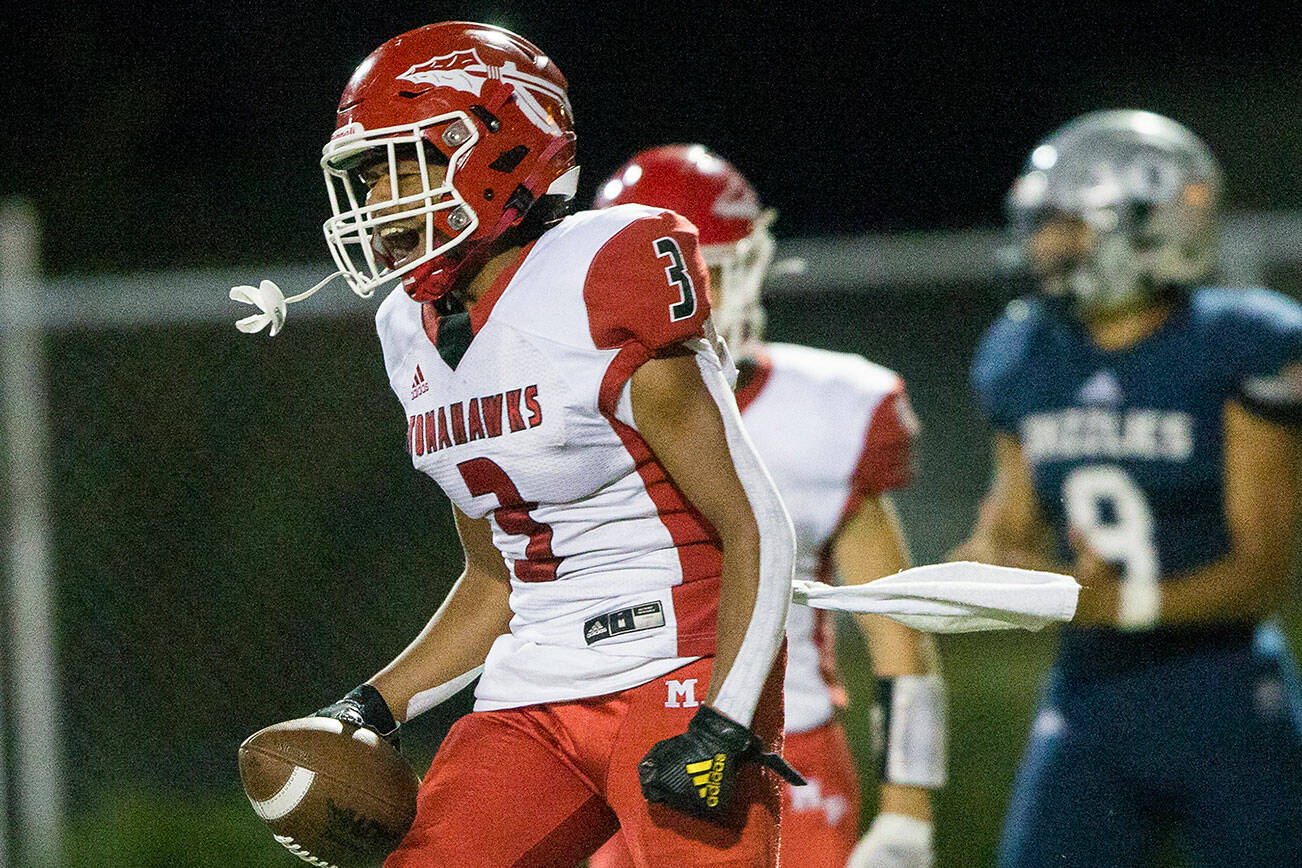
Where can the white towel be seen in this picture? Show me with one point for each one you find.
(957, 597)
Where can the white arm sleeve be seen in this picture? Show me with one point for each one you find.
(430, 697)
(426, 699)
(741, 687)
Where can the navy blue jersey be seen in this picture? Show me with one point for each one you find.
(1195, 723)
(1127, 445)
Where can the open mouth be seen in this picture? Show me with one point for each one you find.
(397, 244)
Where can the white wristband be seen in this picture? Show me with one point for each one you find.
(912, 724)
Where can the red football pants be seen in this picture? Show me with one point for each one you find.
(820, 821)
(545, 785)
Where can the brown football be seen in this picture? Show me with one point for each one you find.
(335, 796)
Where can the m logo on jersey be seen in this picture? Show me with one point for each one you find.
(465, 71)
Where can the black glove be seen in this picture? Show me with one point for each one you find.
(696, 772)
(364, 707)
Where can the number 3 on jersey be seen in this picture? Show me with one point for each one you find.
(1106, 505)
(676, 272)
(484, 476)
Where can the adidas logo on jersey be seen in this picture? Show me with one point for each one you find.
(1102, 388)
(418, 385)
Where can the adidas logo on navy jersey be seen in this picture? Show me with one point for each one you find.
(418, 385)
(1102, 388)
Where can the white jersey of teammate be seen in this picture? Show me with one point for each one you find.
(614, 577)
(832, 428)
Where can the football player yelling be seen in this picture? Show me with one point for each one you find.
(628, 562)
(834, 471)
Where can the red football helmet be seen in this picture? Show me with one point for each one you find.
(480, 99)
(733, 226)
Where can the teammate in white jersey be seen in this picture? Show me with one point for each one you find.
(628, 560)
(835, 431)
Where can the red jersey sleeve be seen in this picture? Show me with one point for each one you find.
(886, 461)
(648, 285)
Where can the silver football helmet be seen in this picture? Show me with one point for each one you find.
(1143, 193)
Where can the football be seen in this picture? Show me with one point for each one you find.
(334, 795)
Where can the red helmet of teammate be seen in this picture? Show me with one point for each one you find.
(482, 107)
(733, 226)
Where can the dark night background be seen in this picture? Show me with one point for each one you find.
(155, 135)
(239, 535)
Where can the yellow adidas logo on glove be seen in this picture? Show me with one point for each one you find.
(706, 777)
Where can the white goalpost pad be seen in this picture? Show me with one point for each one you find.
(955, 597)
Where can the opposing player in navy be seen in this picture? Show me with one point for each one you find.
(1145, 437)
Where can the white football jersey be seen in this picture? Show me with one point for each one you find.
(520, 411)
(832, 428)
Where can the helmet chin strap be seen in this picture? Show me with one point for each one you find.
(474, 257)
(433, 280)
(269, 298)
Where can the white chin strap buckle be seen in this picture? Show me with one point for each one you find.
(268, 298)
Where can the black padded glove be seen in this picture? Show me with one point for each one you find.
(696, 772)
(364, 707)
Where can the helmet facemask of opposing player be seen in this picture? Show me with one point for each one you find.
(471, 127)
(1116, 208)
(735, 240)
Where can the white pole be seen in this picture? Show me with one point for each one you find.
(34, 708)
